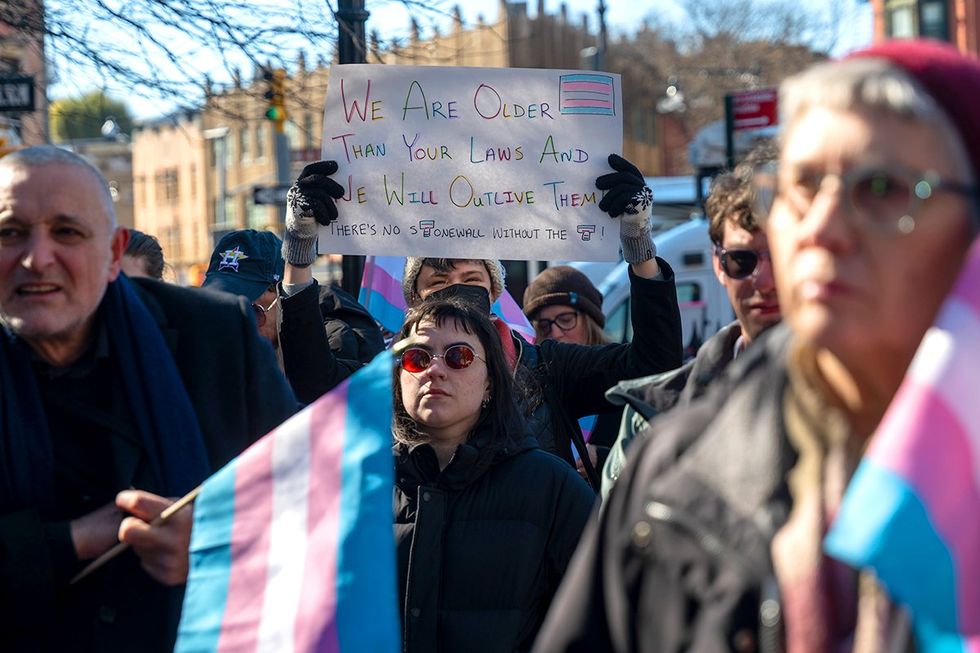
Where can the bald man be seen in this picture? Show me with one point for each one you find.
(115, 397)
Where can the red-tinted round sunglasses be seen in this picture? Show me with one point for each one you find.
(457, 357)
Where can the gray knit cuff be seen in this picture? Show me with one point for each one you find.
(637, 242)
(300, 252)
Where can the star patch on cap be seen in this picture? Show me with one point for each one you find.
(230, 259)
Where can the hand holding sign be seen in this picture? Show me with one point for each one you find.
(628, 195)
(309, 202)
(471, 162)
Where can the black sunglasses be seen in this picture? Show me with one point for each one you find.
(740, 263)
(565, 322)
(883, 197)
(457, 357)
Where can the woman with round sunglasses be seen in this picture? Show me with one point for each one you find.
(869, 212)
(485, 521)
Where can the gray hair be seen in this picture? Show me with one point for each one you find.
(37, 156)
(871, 84)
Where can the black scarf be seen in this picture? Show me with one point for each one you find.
(161, 408)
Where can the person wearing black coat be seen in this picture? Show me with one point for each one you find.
(115, 396)
(315, 363)
(485, 522)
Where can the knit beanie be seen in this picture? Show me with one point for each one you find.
(413, 265)
(950, 77)
(566, 286)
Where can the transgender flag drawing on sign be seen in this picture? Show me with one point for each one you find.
(912, 511)
(587, 93)
(292, 549)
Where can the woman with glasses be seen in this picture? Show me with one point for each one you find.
(563, 305)
(485, 521)
(869, 213)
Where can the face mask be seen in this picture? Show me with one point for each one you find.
(476, 296)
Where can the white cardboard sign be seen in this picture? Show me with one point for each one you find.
(471, 162)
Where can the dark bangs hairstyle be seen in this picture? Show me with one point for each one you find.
(501, 413)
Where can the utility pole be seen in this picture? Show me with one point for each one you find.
(600, 55)
(352, 48)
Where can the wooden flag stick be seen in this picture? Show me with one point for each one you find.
(162, 518)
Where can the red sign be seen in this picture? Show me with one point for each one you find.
(754, 109)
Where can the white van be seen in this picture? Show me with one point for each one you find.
(702, 299)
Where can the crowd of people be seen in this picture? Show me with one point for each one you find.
(570, 494)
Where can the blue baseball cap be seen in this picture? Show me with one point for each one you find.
(245, 262)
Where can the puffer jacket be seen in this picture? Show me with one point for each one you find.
(483, 544)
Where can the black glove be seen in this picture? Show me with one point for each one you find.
(628, 195)
(309, 202)
(627, 191)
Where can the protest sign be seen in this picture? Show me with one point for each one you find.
(471, 162)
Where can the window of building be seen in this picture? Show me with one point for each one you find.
(900, 19)
(308, 131)
(256, 216)
(167, 186)
(243, 144)
(260, 141)
(292, 133)
(933, 20)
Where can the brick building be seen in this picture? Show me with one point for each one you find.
(954, 21)
(22, 53)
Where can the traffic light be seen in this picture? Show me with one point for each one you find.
(275, 94)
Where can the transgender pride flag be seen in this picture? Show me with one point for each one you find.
(292, 549)
(381, 294)
(912, 511)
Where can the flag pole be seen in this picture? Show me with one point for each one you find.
(162, 518)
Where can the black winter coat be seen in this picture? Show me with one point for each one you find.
(680, 557)
(325, 336)
(483, 544)
(238, 393)
(572, 379)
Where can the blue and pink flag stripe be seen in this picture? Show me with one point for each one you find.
(292, 548)
(381, 290)
(381, 294)
(587, 93)
(912, 510)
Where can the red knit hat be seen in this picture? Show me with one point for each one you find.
(950, 77)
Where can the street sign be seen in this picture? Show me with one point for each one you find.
(754, 109)
(269, 194)
(17, 94)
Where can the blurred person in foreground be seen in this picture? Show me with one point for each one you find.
(743, 264)
(116, 395)
(485, 521)
(712, 538)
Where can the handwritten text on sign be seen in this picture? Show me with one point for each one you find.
(471, 162)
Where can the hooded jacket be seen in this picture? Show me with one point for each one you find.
(482, 544)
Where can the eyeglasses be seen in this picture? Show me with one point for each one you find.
(457, 357)
(565, 322)
(740, 263)
(262, 310)
(885, 198)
